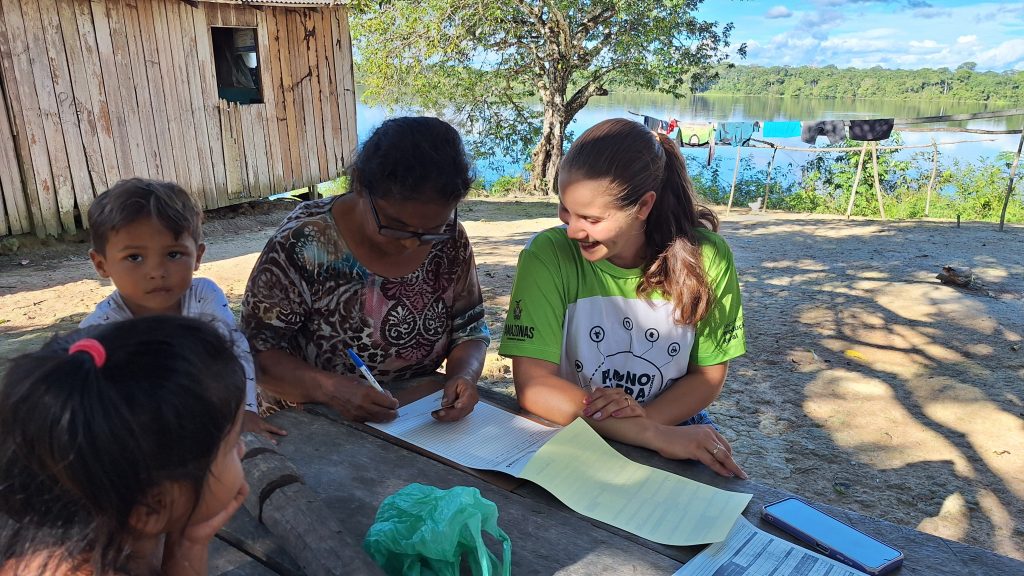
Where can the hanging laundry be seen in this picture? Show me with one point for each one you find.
(736, 133)
(834, 130)
(711, 147)
(654, 123)
(696, 134)
(870, 130)
(781, 129)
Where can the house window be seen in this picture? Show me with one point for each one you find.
(237, 64)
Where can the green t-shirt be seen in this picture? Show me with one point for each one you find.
(587, 318)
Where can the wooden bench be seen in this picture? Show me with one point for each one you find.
(353, 470)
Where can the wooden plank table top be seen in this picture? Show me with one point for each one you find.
(352, 471)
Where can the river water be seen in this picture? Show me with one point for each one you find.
(762, 108)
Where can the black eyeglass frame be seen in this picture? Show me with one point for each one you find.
(423, 237)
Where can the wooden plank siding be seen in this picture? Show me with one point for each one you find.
(16, 208)
(94, 91)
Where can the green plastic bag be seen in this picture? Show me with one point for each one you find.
(425, 531)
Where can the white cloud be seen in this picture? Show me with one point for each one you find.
(855, 44)
(966, 39)
(929, 13)
(1003, 55)
(778, 12)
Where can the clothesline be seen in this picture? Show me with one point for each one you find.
(858, 148)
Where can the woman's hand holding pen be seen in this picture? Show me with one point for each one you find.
(458, 400)
(358, 401)
(604, 402)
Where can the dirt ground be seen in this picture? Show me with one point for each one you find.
(867, 384)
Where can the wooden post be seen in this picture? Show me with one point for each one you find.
(856, 180)
(878, 187)
(280, 500)
(735, 171)
(768, 181)
(931, 183)
(1013, 174)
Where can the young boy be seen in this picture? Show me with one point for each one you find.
(147, 238)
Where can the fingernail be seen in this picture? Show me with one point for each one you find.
(597, 416)
(586, 411)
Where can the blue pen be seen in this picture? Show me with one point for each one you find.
(364, 370)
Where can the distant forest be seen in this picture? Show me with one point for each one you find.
(964, 83)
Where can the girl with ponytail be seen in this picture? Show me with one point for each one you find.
(629, 314)
(119, 450)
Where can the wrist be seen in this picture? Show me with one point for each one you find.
(651, 435)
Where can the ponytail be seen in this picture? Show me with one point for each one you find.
(676, 267)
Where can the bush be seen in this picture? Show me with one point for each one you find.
(508, 186)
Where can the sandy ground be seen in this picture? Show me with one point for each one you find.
(867, 384)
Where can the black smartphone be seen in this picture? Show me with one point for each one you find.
(833, 538)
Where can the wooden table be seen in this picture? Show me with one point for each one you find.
(352, 470)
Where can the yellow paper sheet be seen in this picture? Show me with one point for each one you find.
(579, 468)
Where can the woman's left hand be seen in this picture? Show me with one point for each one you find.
(614, 402)
(458, 400)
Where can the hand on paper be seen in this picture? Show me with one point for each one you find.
(458, 400)
(614, 402)
(699, 442)
(356, 400)
(251, 422)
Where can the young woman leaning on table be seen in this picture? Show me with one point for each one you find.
(630, 313)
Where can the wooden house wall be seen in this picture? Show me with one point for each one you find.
(100, 90)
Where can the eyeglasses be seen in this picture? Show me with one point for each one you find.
(423, 237)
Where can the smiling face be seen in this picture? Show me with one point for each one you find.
(603, 230)
(149, 266)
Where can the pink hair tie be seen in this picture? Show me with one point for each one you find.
(93, 348)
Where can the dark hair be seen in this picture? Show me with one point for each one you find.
(413, 158)
(81, 446)
(635, 160)
(137, 198)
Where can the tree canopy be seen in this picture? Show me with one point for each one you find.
(514, 73)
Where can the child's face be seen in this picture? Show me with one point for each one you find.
(149, 266)
(226, 478)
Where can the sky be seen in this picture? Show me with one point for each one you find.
(905, 34)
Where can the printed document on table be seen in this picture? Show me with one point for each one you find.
(489, 438)
(748, 551)
(579, 468)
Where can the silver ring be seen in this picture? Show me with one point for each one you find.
(717, 448)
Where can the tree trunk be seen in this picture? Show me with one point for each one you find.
(548, 154)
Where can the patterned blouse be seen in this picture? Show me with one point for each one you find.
(309, 296)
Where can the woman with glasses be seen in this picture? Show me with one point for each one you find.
(385, 270)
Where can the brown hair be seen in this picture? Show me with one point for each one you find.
(137, 198)
(635, 161)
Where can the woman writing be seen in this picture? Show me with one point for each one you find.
(385, 270)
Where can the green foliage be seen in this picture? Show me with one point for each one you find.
(962, 84)
(335, 187)
(508, 186)
(513, 73)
